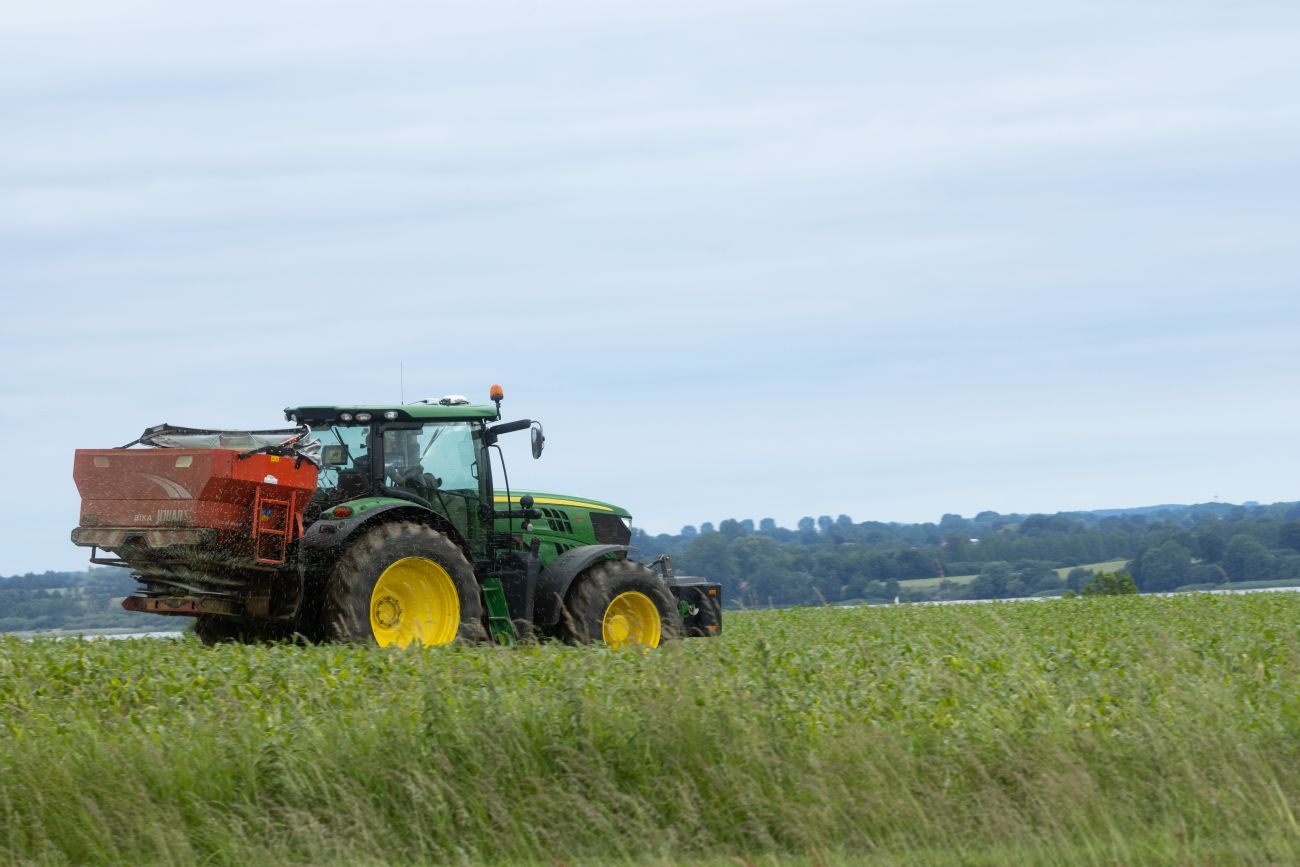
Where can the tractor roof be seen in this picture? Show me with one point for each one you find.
(315, 415)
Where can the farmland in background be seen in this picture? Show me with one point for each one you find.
(992, 556)
(1108, 566)
(1110, 730)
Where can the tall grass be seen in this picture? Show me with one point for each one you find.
(1134, 730)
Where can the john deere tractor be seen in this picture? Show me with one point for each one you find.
(382, 524)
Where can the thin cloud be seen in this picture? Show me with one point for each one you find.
(890, 260)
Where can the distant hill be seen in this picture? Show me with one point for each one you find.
(1177, 511)
(829, 560)
(1197, 509)
(73, 601)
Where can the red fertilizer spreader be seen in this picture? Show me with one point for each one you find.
(190, 496)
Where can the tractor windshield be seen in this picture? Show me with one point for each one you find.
(439, 455)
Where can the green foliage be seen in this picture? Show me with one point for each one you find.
(1077, 578)
(1162, 567)
(1110, 584)
(985, 734)
(914, 564)
(829, 560)
(72, 601)
(991, 582)
(1288, 535)
(1011, 555)
(1246, 559)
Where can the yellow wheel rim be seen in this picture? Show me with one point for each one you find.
(414, 600)
(630, 620)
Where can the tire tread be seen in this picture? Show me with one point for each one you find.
(355, 573)
(592, 591)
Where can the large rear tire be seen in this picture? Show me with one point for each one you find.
(621, 604)
(401, 583)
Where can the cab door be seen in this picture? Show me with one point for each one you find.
(439, 462)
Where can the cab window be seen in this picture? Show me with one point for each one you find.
(347, 464)
(439, 455)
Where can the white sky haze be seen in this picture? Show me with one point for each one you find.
(889, 259)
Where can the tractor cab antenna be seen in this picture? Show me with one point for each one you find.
(401, 380)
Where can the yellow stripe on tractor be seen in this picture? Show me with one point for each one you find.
(553, 501)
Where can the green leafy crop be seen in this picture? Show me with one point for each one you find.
(1097, 730)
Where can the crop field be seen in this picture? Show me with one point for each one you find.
(1108, 566)
(1132, 730)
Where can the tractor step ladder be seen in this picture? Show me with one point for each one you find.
(500, 625)
(272, 525)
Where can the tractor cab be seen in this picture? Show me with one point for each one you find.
(430, 454)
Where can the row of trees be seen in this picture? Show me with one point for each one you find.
(827, 560)
(832, 560)
(66, 600)
(1180, 561)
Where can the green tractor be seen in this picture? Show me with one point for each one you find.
(381, 524)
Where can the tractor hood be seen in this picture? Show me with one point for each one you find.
(566, 521)
(542, 499)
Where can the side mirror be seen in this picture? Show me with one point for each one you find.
(526, 501)
(539, 440)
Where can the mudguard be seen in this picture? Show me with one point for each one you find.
(324, 539)
(553, 584)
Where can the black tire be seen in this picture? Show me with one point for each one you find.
(593, 591)
(346, 615)
(216, 630)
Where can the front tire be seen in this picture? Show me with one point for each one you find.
(401, 583)
(621, 604)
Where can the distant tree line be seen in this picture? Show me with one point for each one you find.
(69, 600)
(828, 560)
(833, 560)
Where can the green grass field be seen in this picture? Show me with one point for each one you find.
(1108, 566)
(1130, 730)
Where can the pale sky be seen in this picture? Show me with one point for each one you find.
(888, 259)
